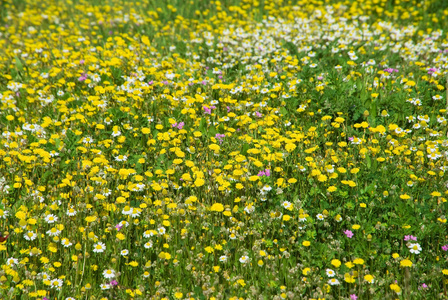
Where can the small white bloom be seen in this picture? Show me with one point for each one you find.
(99, 247)
(51, 219)
(56, 283)
(333, 281)
(244, 259)
(109, 273)
(66, 242)
(330, 273)
(415, 248)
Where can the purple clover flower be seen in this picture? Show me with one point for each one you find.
(410, 238)
(207, 110)
(113, 283)
(265, 172)
(179, 125)
(348, 233)
(390, 70)
(220, 137)
(83, 77)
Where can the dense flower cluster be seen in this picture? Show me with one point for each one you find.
(223, 150)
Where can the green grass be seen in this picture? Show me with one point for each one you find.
(223, 150)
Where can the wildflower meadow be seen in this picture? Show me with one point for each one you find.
(232, 149)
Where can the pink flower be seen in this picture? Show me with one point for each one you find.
(207, 110)
(410, 238)
(348, 233)
(267, 172)
(353, 297)
(113, 283)
(445, 248)
(83, 77)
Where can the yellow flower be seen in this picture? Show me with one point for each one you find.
(241, 282)
(332, 189)
(306, 271)
(406, 263)
(369, 278)
(199, 182)
(358, 261)
(322, 178)
(306, 243)
(178, 295)
(349, 264)
(354, 170)
(217, 207)
(445, 272)
(349, 278)
(336, 263)
(254, 178)
(394, 287)
(290, 147)
(214, 147)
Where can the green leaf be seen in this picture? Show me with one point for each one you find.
(245, 148)
(19, 64)
(369, 162)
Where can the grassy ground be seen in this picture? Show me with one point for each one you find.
(223, 149)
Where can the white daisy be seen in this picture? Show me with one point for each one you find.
(66, 242)
(109, 273)
(333, 281)
(56, 283)
(12, 261)
(244, 259)
(330, 273)
(53, 232)
(99, 247)
(51, 219)
(415, 248)
(30, 236)
(71, 212)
